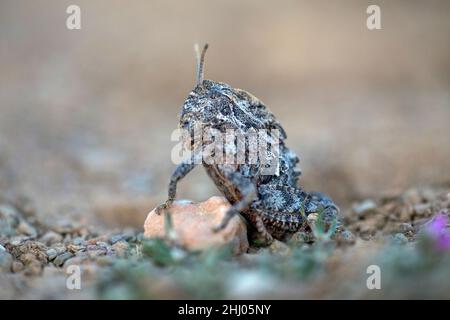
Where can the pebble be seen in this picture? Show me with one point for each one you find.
(51, 238)
(8, 212)
(60, 249)
(6, 260)
(78, 241)
(120, 248)
(405, 227)
(400, 238)
(17, 266)
(129, 234)
(64, 226)
(94, 241)
(193, 225)
(91, 247)
(26, 228)
(75, 248)
(413, 196)
(59, 260)
(18, 240)
(116, 238)
(102, 244)
(364, 207)
(422, 209)
(9, 220)
(51, 253)
(345, 237)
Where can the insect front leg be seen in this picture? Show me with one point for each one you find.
(179, 173)
(248, 191)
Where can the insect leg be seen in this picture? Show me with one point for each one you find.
(248, 191)
(179, 173)
(261, 228)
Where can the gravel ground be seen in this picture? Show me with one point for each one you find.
(35, 257)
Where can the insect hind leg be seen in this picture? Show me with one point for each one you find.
(261, 228)
(248, 192)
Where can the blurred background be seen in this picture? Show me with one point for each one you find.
(86, 115)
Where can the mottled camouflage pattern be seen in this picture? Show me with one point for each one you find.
(274, 204)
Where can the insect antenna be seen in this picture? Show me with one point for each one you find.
(200, 62)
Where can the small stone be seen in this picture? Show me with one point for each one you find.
(413, 196)
(59, 260)
(393, 217)
(365, 207)
(406, 213)
(17, 266)
(17, 241)
(116, 238)
(94, 241)
(26, 205)
(345, 237)
(91, 247)
(60, 249)
(75, 248)
(193, 225)
(31, 254)
(26, 228)
(400, 238)
(9, 219)
(422, 209)
(6, 260)
(51, 238)
(8, 212)
(129, 234)
(65, 226)
(78, 241)
(102, 244)
(405, 227)
(120, 248)
(51, 254)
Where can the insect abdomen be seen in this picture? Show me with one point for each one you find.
(282, 221)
